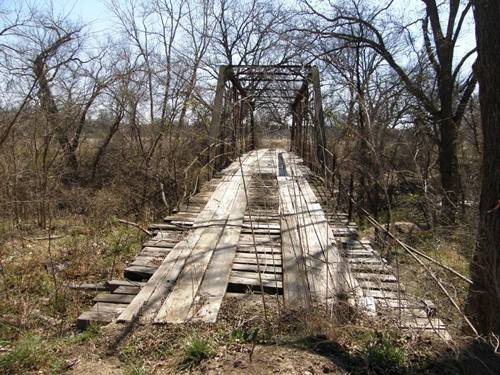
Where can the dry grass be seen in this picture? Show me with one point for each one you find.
(448, 247)
(281, 142)
(242, 341)
(39, 309)
(37, 325)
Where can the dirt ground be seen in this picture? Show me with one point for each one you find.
(232, 359)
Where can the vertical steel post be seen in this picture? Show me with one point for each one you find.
(215, 126)
(293, 130)
(304, 123)
(319, 120)
(351, 189)
(252, 127)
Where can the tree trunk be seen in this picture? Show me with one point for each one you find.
(449, 170)
(483, 305)
(104, 145)
(70, 170)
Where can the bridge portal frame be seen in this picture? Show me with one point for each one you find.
(241, 89)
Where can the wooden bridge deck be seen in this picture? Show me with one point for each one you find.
(259, 225)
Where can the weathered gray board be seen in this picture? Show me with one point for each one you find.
(313, 270)
(171, 291)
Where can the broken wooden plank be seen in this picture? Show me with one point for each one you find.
(127, 289)
(375, 276)
(161, 281)
(229, 204)
(159, 287)
(102, 286)
(138, 273)
(94, 317)
(114, 298)
(253, 267)
(255, 282)
(255, 275)
(262, 257)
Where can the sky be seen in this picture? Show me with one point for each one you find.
(99, 18)
(93, 12)
(96, 12)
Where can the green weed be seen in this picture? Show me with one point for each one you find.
(122, 242)
(59, 302)
(29, 353)
(134, 369)
(244, 335)
(196, 350)
(383, 353)
(90, 333)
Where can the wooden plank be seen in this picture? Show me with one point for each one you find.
(116, 283)
(168, 244)
(190, 216)
(312, 236)
(247, 238)
(261, 231)
(422, 323)
(366, 261)
(154, 254)
(139, 261)
(359, 253)
(377, 268)
(383, 294)
(139, 272)
(255, 275)
(296, 291)
(222, 239)
(214, 285)
(375, 276)
(323, 261)
(97, 317)
(397, 304)
(396, 312)
(327, 272)
(127, 289)
(262, 262)
(100, 313)
(143, 271)
(163, 226)
(254, 267)
(159, 287)
(177, 304)
(260, 249)
(380, 285)
(273, 218)
(156, 249)
(161, 281)
(261, 225)
(114, 298)
(255, 282)
(97, 287)
(264, 257)
(148, 258)
(182, 223)
(207, 304)
(111, 307)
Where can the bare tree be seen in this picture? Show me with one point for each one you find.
(449, 93)
(483, 305)
(10, 26)
(249, 33)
